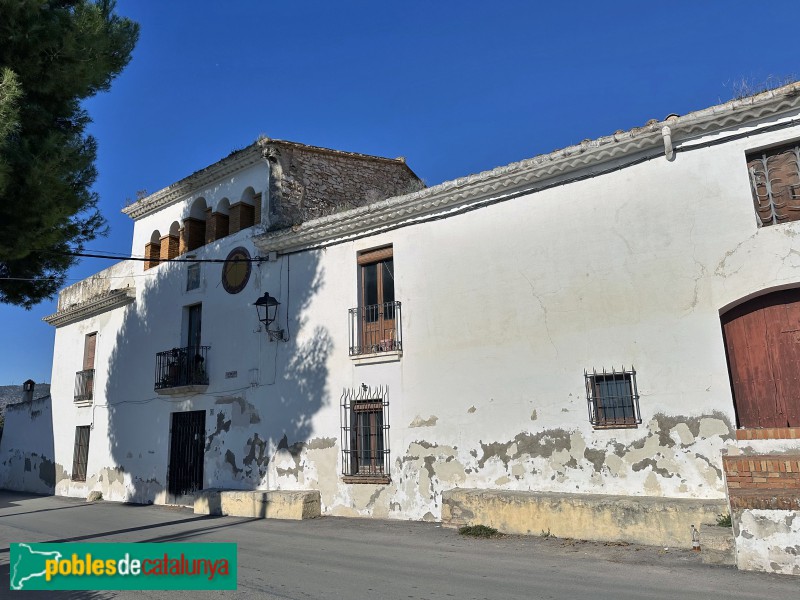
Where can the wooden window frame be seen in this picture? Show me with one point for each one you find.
(89, 364)
(376, 325)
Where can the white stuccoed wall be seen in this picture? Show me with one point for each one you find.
(503, 308)
(768, 540)
(26, 448)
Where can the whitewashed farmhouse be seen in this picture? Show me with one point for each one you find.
(601, 342)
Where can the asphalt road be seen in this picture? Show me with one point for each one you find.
(364, 558)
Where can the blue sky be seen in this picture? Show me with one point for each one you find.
(455, 87)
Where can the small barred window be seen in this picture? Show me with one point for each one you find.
(613, 398)
(775, 183)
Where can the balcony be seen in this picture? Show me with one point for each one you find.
(84, 386)
(182, 370)
(375, 332)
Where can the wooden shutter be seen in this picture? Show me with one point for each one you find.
(89, 350)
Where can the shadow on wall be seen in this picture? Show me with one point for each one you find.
(246, 416)
(27, 447)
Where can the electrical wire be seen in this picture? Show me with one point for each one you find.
(255, 259)
(168, 400)
(75, 278)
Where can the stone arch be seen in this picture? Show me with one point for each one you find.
(170, 243)
(198, 208)
(246, 212)
(152, 250)
(217, 222)
(194, 226)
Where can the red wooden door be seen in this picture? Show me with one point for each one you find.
(762, 341)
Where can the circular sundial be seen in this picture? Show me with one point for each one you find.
(236, 270)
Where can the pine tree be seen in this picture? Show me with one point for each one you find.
(53, 55)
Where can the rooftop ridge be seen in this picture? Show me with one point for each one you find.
(465, 191)
(235, 161)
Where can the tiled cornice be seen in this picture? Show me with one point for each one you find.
(528, 175)
(227, 166)
(93, 306)
(234, 162)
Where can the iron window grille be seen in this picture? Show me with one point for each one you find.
(613, 398)
(365, 435)
(375, 328)
(80, 453)
(84, 385)
(182, 366)
(775, 184)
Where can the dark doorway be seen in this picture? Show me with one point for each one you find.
(762, 342)
(187, 442)
(195, 321)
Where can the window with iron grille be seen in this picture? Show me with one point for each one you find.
(80, 453)
(613, 398)
(84, 379)
(365, 435)
(775, 183)
(375, 324)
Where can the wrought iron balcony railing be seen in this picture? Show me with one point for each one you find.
(375, 328)
(84, 385)
(181, 367)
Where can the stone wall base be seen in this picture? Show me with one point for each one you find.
(634, 519)
(273, 504)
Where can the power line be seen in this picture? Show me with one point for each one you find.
(255, 259)
(75, 278)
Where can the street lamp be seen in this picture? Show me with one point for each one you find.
(267, 309)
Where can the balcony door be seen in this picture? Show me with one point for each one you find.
(193, 330)
(89, 348)
(377, 300)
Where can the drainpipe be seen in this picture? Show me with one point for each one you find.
(265, 199)
(666, 133)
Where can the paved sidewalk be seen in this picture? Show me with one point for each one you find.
(364, 558)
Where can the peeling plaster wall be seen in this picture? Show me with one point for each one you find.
(628, 268)
(768, 540)
(26, 448)
(115, 277)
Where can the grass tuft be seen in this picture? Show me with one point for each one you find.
(724, 520)
(481, 531)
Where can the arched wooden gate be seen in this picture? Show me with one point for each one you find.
(762, 342)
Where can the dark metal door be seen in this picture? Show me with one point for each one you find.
(762, 340)
(186, 453)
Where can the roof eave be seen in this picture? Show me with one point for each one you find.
(527, 175)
